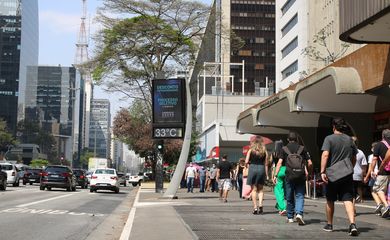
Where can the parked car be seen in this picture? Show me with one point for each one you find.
(22, 169)
(81, 178)
(136, 179)
(12, 173)
(58, 176)
(3, 180)
(104, 178)
(32, 175)
(121, 178)
(88, 175)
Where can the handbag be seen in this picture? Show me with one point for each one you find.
(339, 170)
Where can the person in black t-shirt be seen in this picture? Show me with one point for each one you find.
(224, 176)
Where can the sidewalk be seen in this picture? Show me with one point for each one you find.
(202, 216)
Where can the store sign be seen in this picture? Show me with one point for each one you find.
(168, 108)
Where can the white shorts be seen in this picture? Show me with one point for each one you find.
(225, 184)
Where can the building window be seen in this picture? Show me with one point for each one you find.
(290, 69)
(287, 6)
(259, 66)
(245, 53)
(293, 21)
(291, 46)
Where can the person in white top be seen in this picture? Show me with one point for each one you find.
(373, 178)
(190, 176)
(359, 172)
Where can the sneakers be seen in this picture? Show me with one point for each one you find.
(385, 212)
(353, 230)
(290, 220)
(299, 219)
(328, 228)
(378, 209)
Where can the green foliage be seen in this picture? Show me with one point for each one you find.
(39, 163)
(84, 157)
(6, 139)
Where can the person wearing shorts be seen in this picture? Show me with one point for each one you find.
(339, 147)
(224, 176)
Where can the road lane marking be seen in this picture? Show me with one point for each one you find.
(125, 235)
(49, 212)
(45, 200)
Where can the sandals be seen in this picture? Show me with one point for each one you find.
(255, 211)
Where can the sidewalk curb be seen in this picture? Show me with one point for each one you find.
(125, 235)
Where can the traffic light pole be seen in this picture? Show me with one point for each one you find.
(181, 165)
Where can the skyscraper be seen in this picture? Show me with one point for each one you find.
(99, 133)
(19, 44)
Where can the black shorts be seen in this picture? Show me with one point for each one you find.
(341, 190)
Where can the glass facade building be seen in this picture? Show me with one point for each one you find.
(18, 49)
(99, 129)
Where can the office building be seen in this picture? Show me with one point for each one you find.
(19, 46)
(99, 132)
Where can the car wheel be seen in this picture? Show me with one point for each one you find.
(74, 189)
(30, 183)
(68, 189)
(116, 190)
(124, 184)
(3, 185)
(139, 183)
(134, 184)
(91, 190)
(42, 188)
(48, 188)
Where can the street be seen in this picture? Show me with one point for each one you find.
(58, 214)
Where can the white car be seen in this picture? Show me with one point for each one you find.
(104, 178)
(136, 179)
(12, 173)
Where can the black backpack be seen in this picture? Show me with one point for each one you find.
(295, 165)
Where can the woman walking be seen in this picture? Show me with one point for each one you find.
(239, 174)
(279, 180)
(257, 158)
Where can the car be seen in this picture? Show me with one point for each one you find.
(12, 173)
(58, 176)
(81, 178)
(136, 179)
(22, 169)
(104, 178)
(32, 175)
(3, 180)
(121, 178)
(88, 175)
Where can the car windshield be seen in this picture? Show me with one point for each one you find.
(104, 171)
(6, 167)
(56, 169)
(120, 174)
(78, 172)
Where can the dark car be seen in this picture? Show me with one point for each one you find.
(3, 180)
(58, 177)
(32, 175)
(81, 178)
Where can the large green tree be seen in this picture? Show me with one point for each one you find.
(6, 139)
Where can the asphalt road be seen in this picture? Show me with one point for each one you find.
(28, 213)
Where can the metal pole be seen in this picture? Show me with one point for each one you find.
(159, 185)
(181, 165)
(243, 85)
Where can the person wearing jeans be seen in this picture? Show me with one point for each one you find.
(190, 176)
(295, 202)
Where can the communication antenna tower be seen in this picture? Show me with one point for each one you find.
(82, 42)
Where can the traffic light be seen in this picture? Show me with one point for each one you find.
(160, 146)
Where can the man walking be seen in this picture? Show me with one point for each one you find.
(337, 161)
(202, 178)
(382, 178)
(297, 161)
(224, 176)
(213, 175)
(190, 176)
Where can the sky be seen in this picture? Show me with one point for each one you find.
(59, 24)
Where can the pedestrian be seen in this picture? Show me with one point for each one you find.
(239, 174)
(208, 179)
(359, 172)
(382, 179)
(190, 176)
(278, 179)
(224, 176)
(234, 180)
(337, 161)
(202, 178)
(371, 182)
(213, 174)
(246, 189)
(297, 161)
(257, 158)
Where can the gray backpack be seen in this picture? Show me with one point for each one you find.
(295, 165)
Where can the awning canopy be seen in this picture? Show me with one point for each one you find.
(331, 90)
